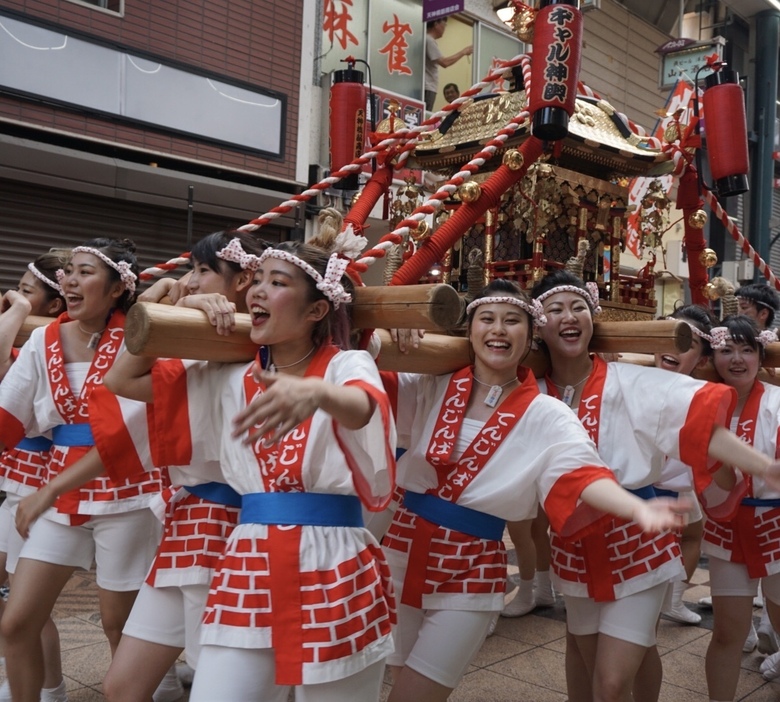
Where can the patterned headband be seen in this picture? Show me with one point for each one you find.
(235, 253)
(40, 276)
(590, 293)
(329, 284)
(720, 335)
(694, 328)
(534, 308)
(126, 275)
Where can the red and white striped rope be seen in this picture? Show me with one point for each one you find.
(744, 244)
(432, 204)
(406, 136)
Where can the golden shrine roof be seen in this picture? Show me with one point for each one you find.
(599, 142)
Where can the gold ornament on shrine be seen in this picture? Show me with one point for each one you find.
(710, 292)
(523, 24)
(708, 258)
(421, 231)
(672, 132)
(513, 159)
(469, 191)
(697, 219)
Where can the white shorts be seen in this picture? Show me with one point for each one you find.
(122, 546)
(632, 618)
(170, 616)
(11, 541)
(439, 643)
(729, 579)
(247, 675)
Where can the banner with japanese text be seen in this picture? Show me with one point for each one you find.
(680, 98)
(344, 33)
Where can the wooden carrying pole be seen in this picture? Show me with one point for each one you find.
(164, 331)
(435, 307)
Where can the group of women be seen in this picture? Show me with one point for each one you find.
(263, 572)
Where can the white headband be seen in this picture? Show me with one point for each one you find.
(590, 293)
(126, 275)
(694, 328)
(720, 335)
(329, 284)
(40, 276)
(534, 308)
(235, 253)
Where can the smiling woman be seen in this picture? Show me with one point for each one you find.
(50, 387)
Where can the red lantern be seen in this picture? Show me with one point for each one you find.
(726, 129)
(555, 67)
(347, 122)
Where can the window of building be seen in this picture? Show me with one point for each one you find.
(113, 6)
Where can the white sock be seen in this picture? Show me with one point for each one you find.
(54, 694)
(542, 580)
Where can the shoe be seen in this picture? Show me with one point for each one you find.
(767, 640)
(5, 692)
(512, 581)
(185, 674)
(705, 602)
(544, 595)
(523, 602)
(677, 611)
(751, 641)
(54, 694)
(492, 629)
(170, 689)
(770, 668)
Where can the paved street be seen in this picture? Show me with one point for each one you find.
(523, 661)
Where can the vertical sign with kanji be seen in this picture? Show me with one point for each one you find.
(396, 41)
(344, 25)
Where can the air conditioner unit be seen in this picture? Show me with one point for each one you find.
(738, 271)
(677, 259)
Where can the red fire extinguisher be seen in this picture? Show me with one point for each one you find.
(347, 121)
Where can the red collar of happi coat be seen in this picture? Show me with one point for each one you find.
(454, 478)
(75, 410)
(748, 418)
(589, 410)
(281, 464)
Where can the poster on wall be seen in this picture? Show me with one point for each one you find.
(344, 33)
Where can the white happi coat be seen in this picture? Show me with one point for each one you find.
(752, 537)
(546, 456)
(638, 417)
(339, 580)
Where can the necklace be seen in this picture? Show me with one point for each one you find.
(495, 392)
(94, 337)
(273, 367)
(568, 390)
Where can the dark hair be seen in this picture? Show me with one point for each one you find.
(48, 264)
(556, 278)
(501, 286)
(451, 85)
(701, 318)
(761, 295)
(336, 324)
(205, 251)
(743, 330)
(118, 250)
(432, 23)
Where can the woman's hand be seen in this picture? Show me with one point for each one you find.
(662, 513)
(407, 339)
(32, 507)
(287, 401)
(219, 310)
(15, 300)
(772, 476)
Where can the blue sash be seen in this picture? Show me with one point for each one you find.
(35, 443)
(454, 516)
(759, 502)
(646, 493)
(301, 509)
(218, 493)
(660, 492)
(72, 435)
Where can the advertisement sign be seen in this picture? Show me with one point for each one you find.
(396, 44)
(436, 9)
